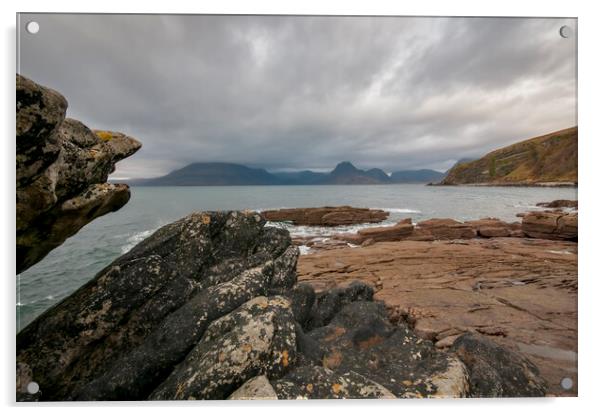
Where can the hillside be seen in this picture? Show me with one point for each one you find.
(548, 159)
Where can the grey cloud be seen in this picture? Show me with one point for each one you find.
(285, 92)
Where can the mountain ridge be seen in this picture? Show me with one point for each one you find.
(232, 174)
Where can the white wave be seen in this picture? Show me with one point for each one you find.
(304, 250)
(400, 210)
(135, 239)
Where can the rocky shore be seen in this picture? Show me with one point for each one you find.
(514, 283)
(217, 305)
(209, 308)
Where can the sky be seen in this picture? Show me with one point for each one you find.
(291, 93)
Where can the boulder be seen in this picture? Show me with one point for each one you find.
(387, 233)
(121, 335)
(550, 225)
(318, 382)
(62, 169)
(256, 339)
(490, 227)
(496, 371)
(329, 303)
(360, 339)
(326, 216)
(447, 229)
(561, 203)
(258, 387)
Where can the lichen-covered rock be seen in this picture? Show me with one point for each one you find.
(330, 302)
(360, 339)
(258, 387)
(496, 371)
(62, 169)
(317, 382)
(256, 339)
(120, 335)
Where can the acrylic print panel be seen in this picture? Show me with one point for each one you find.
(291, 207)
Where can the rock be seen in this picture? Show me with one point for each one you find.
(360, 339)
(62, 169)
(326, 216)
(302, 298)
(120, 335)
(521, 291)
(316, 382)
(330, 302)
(387, 233)
(490, 227)
(550, 225)
(258, 387)
(561, 203)
(257, 338)
(496, 371)
(447, 229)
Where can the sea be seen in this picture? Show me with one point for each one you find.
(100, 242)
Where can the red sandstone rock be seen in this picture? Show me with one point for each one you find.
(326, 216)
(550, 225)
(447, 229)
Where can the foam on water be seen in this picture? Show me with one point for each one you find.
(135, 239)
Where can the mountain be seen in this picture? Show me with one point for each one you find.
(347, 173)
(417, 176)
(230, 174)
(212, 174)
(547, 159)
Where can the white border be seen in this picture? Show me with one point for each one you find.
(590, 164)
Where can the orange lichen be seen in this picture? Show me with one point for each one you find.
(104, 135)
(336, 387)
(285, 358)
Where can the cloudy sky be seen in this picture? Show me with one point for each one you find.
(289, 93)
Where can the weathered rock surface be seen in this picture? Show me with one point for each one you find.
(550, 225)
(360, 339)
(326, 216)
(208, 308)
(258, 387)
(123, 333)
(519, 292)
(447, 229)
(62, 169)
(561, 203)
(496, 371)
(257, 338)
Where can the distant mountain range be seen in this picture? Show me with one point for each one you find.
(549, 159)
(229, 174)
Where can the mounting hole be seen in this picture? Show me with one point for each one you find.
(566, 32)
(33, 388)
(566, 383)
(32, 27)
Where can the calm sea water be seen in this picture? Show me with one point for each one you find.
(100, 242)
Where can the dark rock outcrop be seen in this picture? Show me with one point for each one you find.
(326, 216)
(121, 335)
(496, 371)
(550, 225)
(208, 308)
(62, 169)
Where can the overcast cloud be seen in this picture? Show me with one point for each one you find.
(307, 92)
